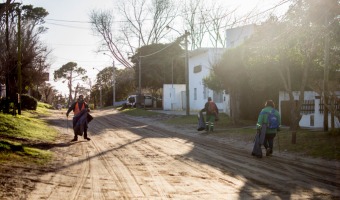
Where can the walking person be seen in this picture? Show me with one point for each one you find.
(79, 107)
(271, 117)
(211, 110)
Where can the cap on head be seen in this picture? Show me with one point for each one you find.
(209, 98)
(81, 96)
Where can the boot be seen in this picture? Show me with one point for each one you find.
(269, 152)
(85, 135)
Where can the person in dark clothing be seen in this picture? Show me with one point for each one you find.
(211, 110)
(76, 107)
(270, 132)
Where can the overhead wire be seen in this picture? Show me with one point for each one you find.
(126, 21)
(222, 27)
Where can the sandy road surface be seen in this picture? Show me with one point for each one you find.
(132, 159)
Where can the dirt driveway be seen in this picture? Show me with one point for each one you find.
(140, 158)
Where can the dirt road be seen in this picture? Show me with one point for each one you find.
(144, 159)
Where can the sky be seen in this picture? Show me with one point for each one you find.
(71, 39)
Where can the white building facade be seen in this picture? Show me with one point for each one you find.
(174, 97)
(311, 111)
(200, 64)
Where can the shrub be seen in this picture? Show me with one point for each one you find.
(28, 102)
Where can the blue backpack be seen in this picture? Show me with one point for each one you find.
(273, 121)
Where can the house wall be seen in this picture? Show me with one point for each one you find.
(197, 91)
(205, 57)
(174, 97)
(236, 36)
(312, 120)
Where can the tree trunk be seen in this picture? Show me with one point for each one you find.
(332, 114)
(326, 78)
(70, 90)
(234, 106)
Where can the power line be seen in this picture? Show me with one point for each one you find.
(68, 26)
(127, 21)
(70, 21)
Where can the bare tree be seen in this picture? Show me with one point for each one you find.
(142, 22)
(193, 14)
(215, 21)
(102, 22)
(147, 20)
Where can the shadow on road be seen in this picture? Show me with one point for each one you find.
(282, 177)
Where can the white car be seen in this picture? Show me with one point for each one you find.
(146, 101)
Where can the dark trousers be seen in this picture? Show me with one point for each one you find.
(85, 134)
(269, 141)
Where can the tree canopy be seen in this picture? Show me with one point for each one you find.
(160, 64)
(33, 52)
(284, 55)
(70, 72)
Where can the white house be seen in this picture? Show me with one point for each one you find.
(312, 109)
(236, 36)
(174, 97)
(200, 63)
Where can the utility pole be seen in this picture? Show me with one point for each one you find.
(19, 61)
(113, 80)
(7, 6)
(113, 84)
(187, 74)
(100, 89)
(187, 93)
(139, 95)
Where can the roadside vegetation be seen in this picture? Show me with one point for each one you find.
(310, 142)
(21, 136)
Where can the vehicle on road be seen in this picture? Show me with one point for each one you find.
(147, 100)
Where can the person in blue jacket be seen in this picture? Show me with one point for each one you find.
(270, 131)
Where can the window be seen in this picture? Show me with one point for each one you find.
(334, 105)
(308, 107)
(195, 93)
(218, 97)
(197, 68)
(205, 92)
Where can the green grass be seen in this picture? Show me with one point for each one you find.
(18, 133)
(317, 144)
(14, 151)
(311, 143)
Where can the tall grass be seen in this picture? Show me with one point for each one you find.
(19, 133)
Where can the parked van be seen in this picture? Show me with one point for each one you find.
(146, 100)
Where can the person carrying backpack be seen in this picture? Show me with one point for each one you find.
(271, 117)
(212, 114)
